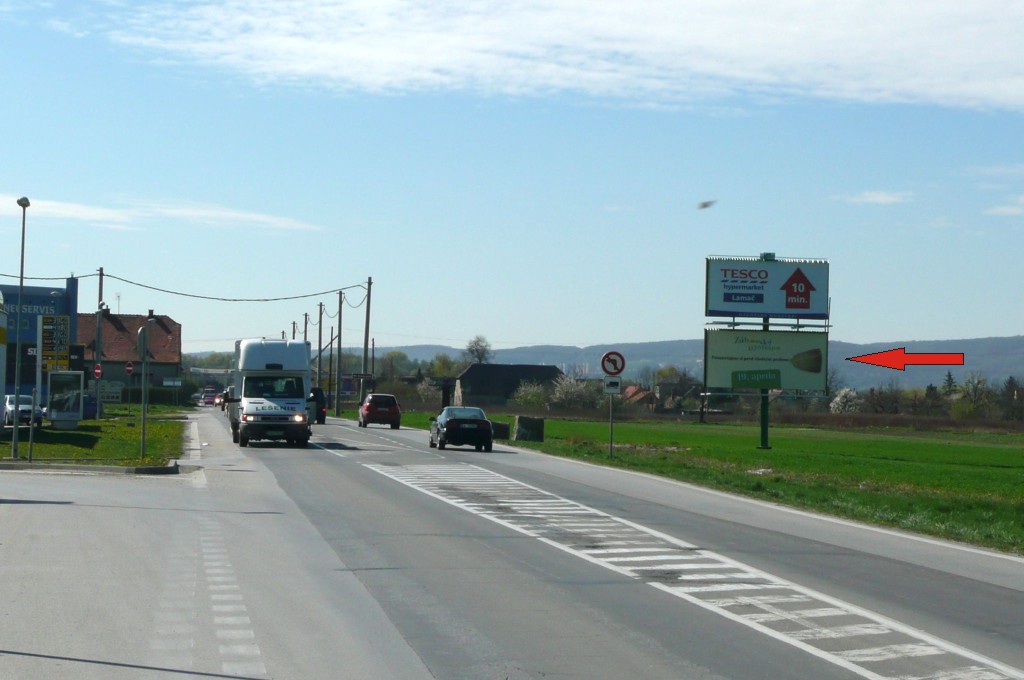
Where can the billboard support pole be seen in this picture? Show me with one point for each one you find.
(764, 408)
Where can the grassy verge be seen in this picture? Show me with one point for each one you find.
(960, 486)
(114, 440)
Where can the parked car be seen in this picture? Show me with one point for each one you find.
(461, 426)
(317, 395)
(382, 409)
(24, 410)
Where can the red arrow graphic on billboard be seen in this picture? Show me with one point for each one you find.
(899, 359)
(798, 290)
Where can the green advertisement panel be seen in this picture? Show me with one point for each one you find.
(787, 360)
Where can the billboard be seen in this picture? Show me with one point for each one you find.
(66, 390)
(787, 360)
(789, 289)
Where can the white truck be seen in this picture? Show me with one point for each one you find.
(272, 383)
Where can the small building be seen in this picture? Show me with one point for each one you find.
(119, 345)
(495, 384)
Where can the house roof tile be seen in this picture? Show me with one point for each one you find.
(120, 337)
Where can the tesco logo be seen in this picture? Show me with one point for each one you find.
(754, 274)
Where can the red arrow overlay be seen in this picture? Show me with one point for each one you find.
(899, 359)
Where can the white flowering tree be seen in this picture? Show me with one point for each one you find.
(846, 401)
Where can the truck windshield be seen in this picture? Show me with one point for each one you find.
(267, 387)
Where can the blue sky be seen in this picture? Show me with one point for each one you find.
(525, 171)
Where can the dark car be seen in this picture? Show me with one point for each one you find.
(461, 426)
(317, 396)
(382, 409)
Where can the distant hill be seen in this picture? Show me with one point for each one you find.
(993, 358)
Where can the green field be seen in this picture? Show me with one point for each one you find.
(961, 486)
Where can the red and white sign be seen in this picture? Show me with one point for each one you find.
(798, 290)
(128, 368)
(613, 363)
(783, 288)
(97, 371)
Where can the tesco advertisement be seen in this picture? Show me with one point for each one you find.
(782, 288)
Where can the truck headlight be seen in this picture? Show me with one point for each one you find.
(299, 418)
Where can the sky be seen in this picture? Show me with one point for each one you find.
(530, 172)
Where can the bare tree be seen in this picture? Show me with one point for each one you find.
(479, 350)
(645, 377)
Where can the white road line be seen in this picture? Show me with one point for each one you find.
(725, 588)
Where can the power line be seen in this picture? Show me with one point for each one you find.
(189, 295)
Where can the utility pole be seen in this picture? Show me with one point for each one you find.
(99, 345)
(330, 362)
(341, 370)
(366, 337)
(319, 340)
(305, 326)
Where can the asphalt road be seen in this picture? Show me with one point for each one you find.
(369, 555)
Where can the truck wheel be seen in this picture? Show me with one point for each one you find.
(234, 436)
(488, 446)
(303, 443)
(394, 426)
(440, 443)
(243, 441)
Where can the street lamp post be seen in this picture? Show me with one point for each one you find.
(24, 203)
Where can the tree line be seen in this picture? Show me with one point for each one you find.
(672, 389)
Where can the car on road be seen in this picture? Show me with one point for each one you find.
(382, 409)
(461, 426)
(25, 413)
(319, 399)
(209, 397)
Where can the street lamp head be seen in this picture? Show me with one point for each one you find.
(23, 202)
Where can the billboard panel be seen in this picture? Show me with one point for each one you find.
(789, 289)
(66, 395)
(788, 360)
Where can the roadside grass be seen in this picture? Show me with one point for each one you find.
(960, 486)
(115, 439)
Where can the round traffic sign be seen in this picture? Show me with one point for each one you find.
(97, 371)
(128, 368)
(613, 363)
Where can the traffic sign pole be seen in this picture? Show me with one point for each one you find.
(128, 369)
(612, 363)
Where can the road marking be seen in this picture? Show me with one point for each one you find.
(864, 642)
(239, 653)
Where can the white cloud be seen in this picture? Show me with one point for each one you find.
(1015, 208)
(1010, 170)
(139, 216)
(880, 197)
(947, 52)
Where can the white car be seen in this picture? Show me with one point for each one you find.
(24, 410)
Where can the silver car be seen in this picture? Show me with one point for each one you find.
(24, 410)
